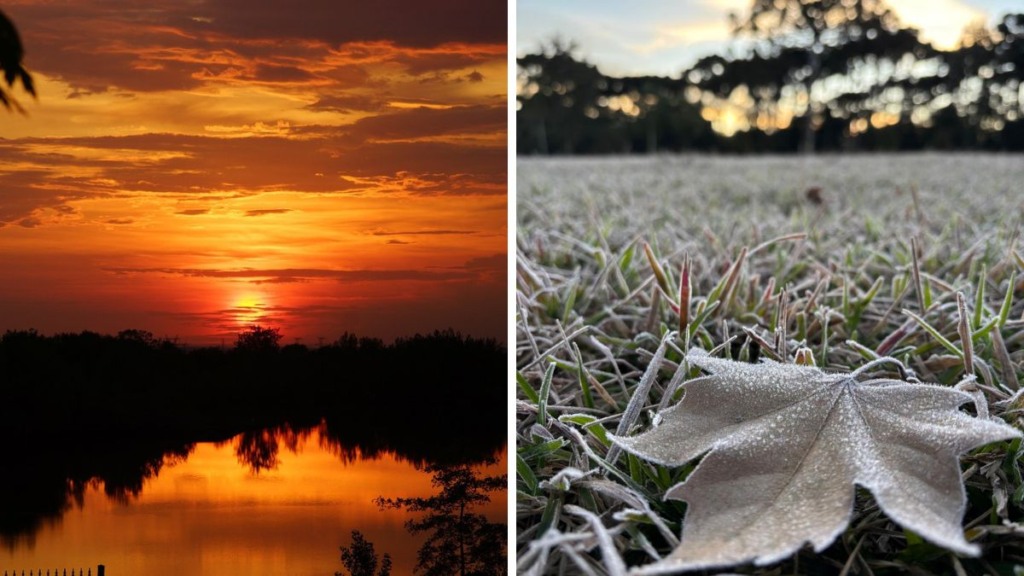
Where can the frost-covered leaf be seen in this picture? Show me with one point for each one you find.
(785, 446)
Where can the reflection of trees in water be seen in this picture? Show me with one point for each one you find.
(45, 480)
(259, 450)
(87, 408)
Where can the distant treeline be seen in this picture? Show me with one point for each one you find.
(431, 397)
(835, 75)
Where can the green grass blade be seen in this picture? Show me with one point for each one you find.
(979, 299)
(659, 272)
(1004, 310)
(526, 389)
(935, 334)
(545, 391)
(627, 258)
(590, 424)
(568, 302)
(526, 474)
(588, 399)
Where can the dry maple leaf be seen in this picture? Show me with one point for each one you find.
(785, 446)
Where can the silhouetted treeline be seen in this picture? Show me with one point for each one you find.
(95, 385)
(80, 408)
(838, 75)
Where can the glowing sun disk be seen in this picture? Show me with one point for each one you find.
(249, 309)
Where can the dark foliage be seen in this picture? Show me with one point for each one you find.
(459, 541)
(11, 54)
(360, 559)
(259, 340)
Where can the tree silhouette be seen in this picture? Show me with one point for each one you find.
(798, 44)
(256, 338)
(360, 559)
(11, 53)
(460, 542)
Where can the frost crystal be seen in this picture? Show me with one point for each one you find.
(785, 446)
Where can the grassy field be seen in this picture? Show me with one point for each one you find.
(788, 254)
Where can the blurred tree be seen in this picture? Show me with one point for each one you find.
(657, 114)
(567, 106)
(983, 83)
(557, 100)
(811, 59)
(1002, 78)
(460, 541)
(809, 74)
(360, 559)
(11, 53)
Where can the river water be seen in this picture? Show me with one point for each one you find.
(213, 513)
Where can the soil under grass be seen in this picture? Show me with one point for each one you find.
(820, 249)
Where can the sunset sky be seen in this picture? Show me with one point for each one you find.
(192, 167)
(664, 37)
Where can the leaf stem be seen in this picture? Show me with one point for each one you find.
(878, 362)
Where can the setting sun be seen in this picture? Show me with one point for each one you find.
(249, 309)
(179, 175)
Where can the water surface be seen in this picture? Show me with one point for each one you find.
(214, 512)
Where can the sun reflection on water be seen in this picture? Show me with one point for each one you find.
(211, 514)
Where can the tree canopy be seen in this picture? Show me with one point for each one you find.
(459, 539)
(360, 558)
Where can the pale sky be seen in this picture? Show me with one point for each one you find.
(664, 37)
